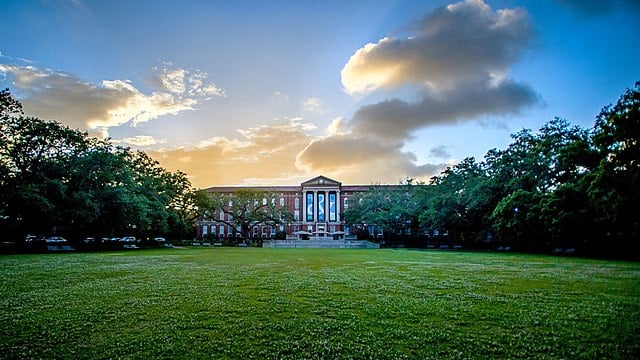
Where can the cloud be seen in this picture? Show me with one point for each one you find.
(456, 61)
(338, 126)
(183, 82)
(395, 119)
(140, 141)
(440, 152)
(56, 95)
(312, 105)
(462, 42)
(262, 152)
(362, 159)
(281, 96)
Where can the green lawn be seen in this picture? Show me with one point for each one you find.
(317, 304)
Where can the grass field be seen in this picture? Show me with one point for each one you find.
(317, 304)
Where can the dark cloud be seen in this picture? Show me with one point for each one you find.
(396, 119)
(457, 57)
(440, 152)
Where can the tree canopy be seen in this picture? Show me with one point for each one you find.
(560, 187)
(57, 180)
(246, 209)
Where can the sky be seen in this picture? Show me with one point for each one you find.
(278, 92)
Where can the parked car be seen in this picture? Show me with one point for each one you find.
(89, 240)
(56, 240)
(57, 243)
(162, 242)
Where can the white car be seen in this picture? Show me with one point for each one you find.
(56, 239)
(163, 242)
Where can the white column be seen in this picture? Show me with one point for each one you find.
(338, 204)
(315, 206)
(326, 207)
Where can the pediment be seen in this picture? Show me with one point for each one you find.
(321, 181)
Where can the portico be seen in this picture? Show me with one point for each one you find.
(321, 205)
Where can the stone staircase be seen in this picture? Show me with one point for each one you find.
(321, 244)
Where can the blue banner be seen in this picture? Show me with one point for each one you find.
(332, 207)
(321, 207)
(309, 206)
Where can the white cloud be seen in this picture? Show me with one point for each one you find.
(281, 96)
(56, 95)
(140, 141)
(312, 105)
(338, 126)
(456, 44)
(456, 59)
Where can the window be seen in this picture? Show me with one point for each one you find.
(205, 230)
(346, 204)
(321, 199)
(221, 230)
(296, 215)
(310, 206)
(221, 215)
(297, 205)
(281, 201)
(264, 201)
(230, 203)
(332, 207)
(213, 229)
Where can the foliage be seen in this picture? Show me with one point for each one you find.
(614, 185)
(56, 180)
(246, 209)
(394, 209)
(560, 187)
(317, 304)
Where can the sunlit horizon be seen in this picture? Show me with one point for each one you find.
(257, 93)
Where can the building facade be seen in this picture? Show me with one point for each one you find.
(317, 206)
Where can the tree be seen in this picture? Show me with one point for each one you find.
(245, 210)
(542, 174)
(457, 201)
(614, 185)
(59, 180)
(395, 209)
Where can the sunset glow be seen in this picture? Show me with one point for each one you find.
(274, 93)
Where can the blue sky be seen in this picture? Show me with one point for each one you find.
(255, 92)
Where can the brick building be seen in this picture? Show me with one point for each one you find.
(317, 206)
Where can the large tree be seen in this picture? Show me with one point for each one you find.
(247, 209)
(395, 209)
(614, 185)
(59, 180)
